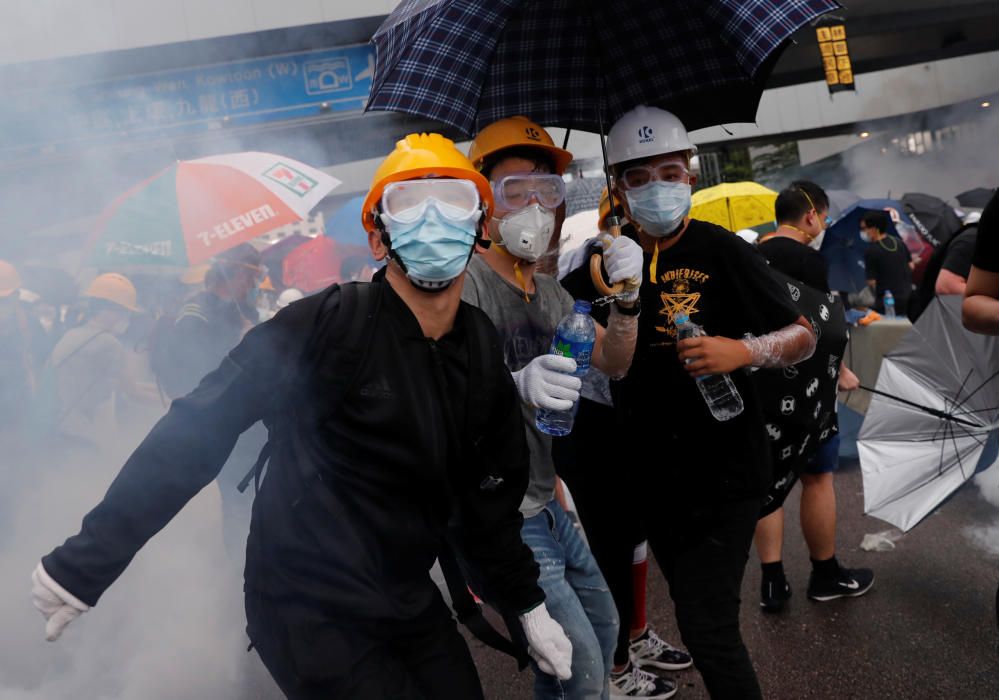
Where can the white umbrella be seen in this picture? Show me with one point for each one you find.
(934, 409)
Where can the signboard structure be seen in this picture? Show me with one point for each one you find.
(835, 54)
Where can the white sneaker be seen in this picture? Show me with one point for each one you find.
(636, 683)
(650, 651)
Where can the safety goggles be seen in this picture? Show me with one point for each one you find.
(407, 201)
(516, 191)
(638, 177)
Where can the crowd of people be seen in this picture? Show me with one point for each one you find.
(391, 423)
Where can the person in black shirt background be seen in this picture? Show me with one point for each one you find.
(887, 261)
(956, 266)
(980, 311)
(801, 211)
(706, 485)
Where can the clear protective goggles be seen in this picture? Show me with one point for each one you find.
(407, 201)
(638, 177)
(515, 192)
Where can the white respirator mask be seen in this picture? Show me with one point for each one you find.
(526, 233)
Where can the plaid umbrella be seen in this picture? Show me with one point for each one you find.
(468, 63)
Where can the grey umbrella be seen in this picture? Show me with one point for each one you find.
(933, 418)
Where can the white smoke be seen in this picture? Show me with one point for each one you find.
(941, 162)
(986, 537)
(171, 627)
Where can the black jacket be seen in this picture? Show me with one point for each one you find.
(357, 497)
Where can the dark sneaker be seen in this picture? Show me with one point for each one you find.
(774, 593)
(650, 651)
(636, 683)
(847, 583)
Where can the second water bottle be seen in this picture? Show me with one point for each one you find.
(718, 390)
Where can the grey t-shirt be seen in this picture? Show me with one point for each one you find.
(527, 330)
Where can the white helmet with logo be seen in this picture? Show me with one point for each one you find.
(646, 131)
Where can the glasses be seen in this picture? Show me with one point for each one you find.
(516, 191)
(407, 201)
(638, 177)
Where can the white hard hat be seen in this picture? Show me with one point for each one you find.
(288, 296)
(646, 131)
(972, 217)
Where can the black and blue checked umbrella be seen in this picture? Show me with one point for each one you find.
(577, 63)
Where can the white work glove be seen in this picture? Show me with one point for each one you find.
(623, 262)
(59, 606)
(547, 643)
(547, 382)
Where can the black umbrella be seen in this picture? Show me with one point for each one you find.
(934, 219)
(577, 63)
(976, 198)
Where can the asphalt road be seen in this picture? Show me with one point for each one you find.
(926, 630)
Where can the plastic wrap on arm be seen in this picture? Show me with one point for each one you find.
(784, 347)
(618, 346)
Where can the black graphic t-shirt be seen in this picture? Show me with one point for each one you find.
(726, 286)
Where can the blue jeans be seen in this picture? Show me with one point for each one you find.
(578, 598)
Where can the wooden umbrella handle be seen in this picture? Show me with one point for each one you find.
(596, 274)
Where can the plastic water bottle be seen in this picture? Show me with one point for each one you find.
(889, 304)
(574, 337)
(718, 390)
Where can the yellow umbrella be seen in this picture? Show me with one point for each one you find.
(734, 205)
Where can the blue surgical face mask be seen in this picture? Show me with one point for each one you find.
(660, 207)
(433, 249)
(865, 236)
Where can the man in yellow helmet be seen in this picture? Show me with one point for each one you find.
(90, 364)
(391, 419)
(525, 168)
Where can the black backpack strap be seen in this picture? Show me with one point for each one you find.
(350, 334)
(470, 613)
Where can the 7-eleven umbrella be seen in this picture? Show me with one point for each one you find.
(195, 209)
(735, 205)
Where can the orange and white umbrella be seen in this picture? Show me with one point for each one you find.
(195, 209)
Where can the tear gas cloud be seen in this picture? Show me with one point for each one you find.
(171, 627)
(965, 159)
(986, 537)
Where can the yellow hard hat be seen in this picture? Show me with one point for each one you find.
(114, 288)
(516, 131)
(10, 281)
(422, 155)
(195, 275)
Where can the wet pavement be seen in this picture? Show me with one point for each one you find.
(926, 630)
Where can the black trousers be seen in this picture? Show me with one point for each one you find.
(314, 657)
(701, 548)
(702, 552)
(607, 505)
